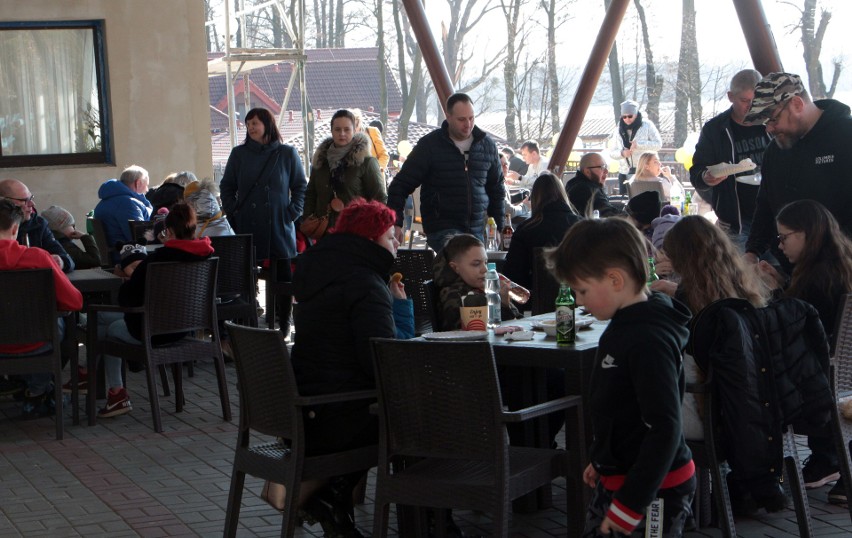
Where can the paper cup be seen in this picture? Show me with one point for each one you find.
(474, 318)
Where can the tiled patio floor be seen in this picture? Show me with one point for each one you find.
(119, 478)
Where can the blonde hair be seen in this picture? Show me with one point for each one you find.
(644, 163)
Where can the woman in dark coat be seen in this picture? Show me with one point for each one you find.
(552, 215)
(263, 193)
(343, 168)
(344, 300)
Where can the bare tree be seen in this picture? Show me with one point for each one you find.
(813, 34)
(383, 80)
(688, 90)
(555, 19)
(615, 75)
(511, 11)
(464, 16)
(653, 82)
(409, 91)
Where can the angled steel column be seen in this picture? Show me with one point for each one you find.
(431, 54)
(758, 36)
(588, 83)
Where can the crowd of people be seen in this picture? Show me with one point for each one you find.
(778, 253)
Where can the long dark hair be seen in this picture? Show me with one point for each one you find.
(546, 189)
(270, 129)
(826, 259)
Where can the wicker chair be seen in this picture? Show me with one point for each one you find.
(442, 424)
(433, 304)
(545, 288)
(106, 251)
(28, 314)
(236, 295)
(635, 188)
(841, 372)
(416, 268)
(270, 405)
(179, 297)
(138, 229)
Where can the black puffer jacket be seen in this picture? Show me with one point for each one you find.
(770, 367)
(457, 191)
(587, 195)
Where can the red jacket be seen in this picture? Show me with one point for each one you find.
(16, 256)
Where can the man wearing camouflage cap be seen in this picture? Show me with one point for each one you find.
(809, 158)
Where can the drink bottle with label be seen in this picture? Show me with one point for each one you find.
(491, 241)
(652, 271)
(492, 293)
(507, 233)
(566, 331)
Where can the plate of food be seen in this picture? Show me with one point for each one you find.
(729, 169)
(549, 325)
(456, 336)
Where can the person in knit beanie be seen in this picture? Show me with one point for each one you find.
(81, 247)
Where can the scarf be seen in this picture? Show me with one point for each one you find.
(628, 132)
(335, 154)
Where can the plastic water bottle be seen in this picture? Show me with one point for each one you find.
(492, 243)
(492, 293)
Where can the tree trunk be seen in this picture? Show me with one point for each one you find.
(319, 18)
(277, 29)
(511, 11)
(615, 76)
(411, 101)
(652, 109)
(400, 50)
(340, 30)
(383, 80)
(688, 90)
(237, 31)
(552, 75)
(812, 36)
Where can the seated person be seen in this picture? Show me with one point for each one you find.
(171, 190)
(34, 231)
(203, 197)
(661, 225)
(61, 223)
(585, 189)
(345, 298)
(39, 396)
(641, 211)
(552, 216)
(650, 168)
(123, 200)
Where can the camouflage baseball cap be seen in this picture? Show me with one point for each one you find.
(772, 90)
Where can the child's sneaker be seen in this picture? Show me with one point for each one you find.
(43, 405)
(118, 403)
(82, 383)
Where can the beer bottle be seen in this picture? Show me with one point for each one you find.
(508, 231)
(566, 331)
(652, 271)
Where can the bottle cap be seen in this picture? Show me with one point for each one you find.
(491, 266)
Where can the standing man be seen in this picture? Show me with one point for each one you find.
(585, 190)
(460, 177)
(535, 164)
(34, 230)
(634, 136)
(727, 138)
(123, 200)
(809, 157)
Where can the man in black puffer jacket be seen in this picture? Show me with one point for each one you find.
(458, 170)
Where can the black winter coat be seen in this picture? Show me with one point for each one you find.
(457, 191)
(770, 367)
(341, 287)
(581, 190)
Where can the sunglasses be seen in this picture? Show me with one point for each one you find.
(627, 116)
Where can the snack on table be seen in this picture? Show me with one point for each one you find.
(396, 277)
(728, 169)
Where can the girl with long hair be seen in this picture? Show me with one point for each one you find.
(649, 168)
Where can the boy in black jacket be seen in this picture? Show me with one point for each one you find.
(639, 459)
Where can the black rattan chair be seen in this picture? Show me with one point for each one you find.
(138, 229)
(433, 304)
(416, 268)
(442, 425)
(270, 406)
(179, 298)
(27, 315)
(236, 295)
(545, 288)
(841, 373)
(106, 251)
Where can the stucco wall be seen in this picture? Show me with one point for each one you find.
(157, 70)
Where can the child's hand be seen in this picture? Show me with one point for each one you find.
(397, 289)
(666, 286)
(609, 525)
(590, 476)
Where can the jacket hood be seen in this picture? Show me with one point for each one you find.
(323, 263)
(359, 151)
(112, 188)
(669, 318)
(833, 111)
(197, 247)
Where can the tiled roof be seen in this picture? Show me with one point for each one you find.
(335, 78)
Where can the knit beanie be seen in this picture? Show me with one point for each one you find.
(367, 219)
(130, 253)
(669, 209)
(630, 108)
(57, 218)
(645, 206)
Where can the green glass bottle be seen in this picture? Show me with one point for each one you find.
(566, 331)
(652, 271)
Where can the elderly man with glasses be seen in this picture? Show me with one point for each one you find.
(585, 190)
(34, 231)
(809, 157)
(633, 136)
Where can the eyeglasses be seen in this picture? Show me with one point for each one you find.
(23, 200)
(774, 119)
(604, 166)
(783, 237)
(627, 116)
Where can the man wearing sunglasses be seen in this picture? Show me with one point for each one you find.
(34, 230)
(634, 136)
(585, 190)
(809, 158)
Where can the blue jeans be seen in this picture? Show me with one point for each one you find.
(437, 240)
(111, 326)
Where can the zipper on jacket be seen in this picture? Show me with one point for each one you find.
(736, 194)
(466, 156)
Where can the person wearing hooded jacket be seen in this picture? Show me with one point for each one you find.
(201, 195)
(343, 168)
(808, 158)
(123, 199)
(633, 136)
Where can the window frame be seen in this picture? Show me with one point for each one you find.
(106, 155)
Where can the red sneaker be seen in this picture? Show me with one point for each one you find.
(118, 403)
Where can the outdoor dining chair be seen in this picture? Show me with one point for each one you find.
(415, 265)
(27, 315)
(270, 406)
(236, 285)
(138, 229)
(179, 298)
(545, 288)
(443, 428)
(433, 304)
(841, 382)
(637, 187)
(105, 250)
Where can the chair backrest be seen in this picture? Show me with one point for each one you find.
(266, 381)
(637, 187)
(545, 288)
(842, 346)
(180, 297)
(416, 269)
(138, 229)
(236, 265)
(105, 250)
(433, 304)
(439, 399)
(27, 307)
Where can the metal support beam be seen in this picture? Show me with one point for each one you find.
(758, 36)
(431, 54)
(588, 83)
